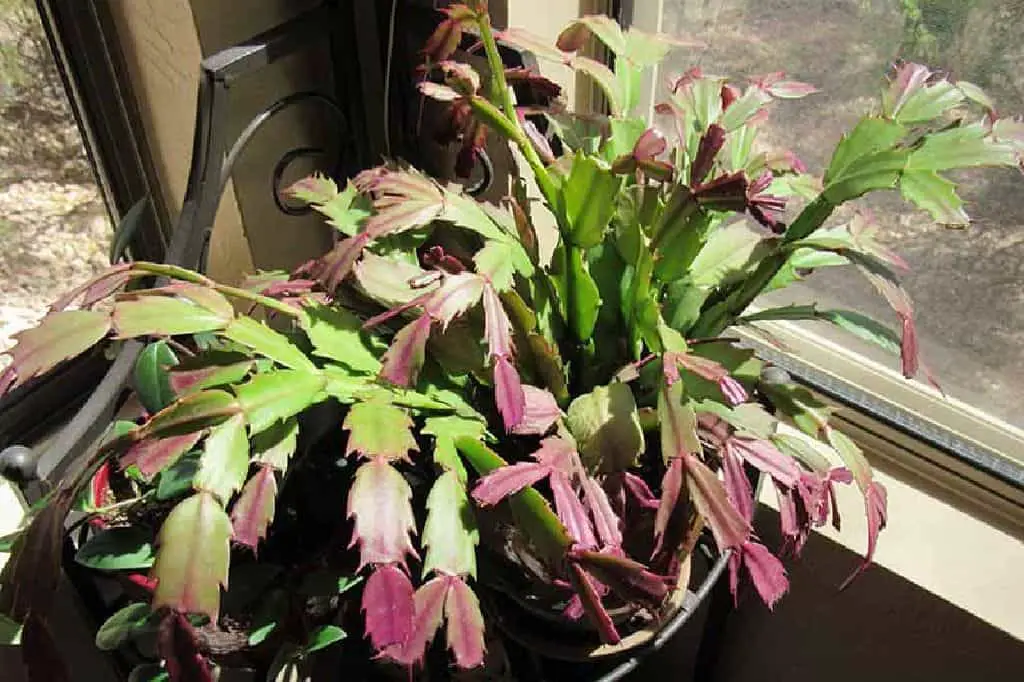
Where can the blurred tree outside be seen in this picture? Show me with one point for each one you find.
(40, 138)
(979, 41)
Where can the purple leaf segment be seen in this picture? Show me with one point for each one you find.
(776, 85)
(730, 529)
(152, 456)
(178, 646)
(789, 518)
(508, 389)
(737, 485)
(875, 497)
(96, 289)
(403, 199)
(671, 488)
(59, 337)
(444, 598)
(571, 511)
(404, 358)
(649, 145)
(764, 456)
(710, 144)
(254, 509)
(389, 606)
(558, 461)
(428, 615)
(606, 522)
(497, 326)
(765, 570)
(589, 602)
(705, 368)
(540, 413)
(465, 624)
(639, 491)
(508, 480)
(627, 578)
(876, 506)
(508, 393)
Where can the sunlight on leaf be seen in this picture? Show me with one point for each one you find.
(449, 533)
(225, 460)
(254, 509)
(445, 430)
(606, 426)
(268, 343)
(192, 413)
(377, 429)
(192, 557)
(336, 335)
(323, 637)
(379, 502)
(276, 445)
(153, 455)
(59, 337)
(465, 625)
(274, 396)
(165, 316)
(678, 423)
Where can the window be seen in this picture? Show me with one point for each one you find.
(54, 228)
(966, 284)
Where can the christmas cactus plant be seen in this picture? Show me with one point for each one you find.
(543, 380)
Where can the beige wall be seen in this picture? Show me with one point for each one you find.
(162, 53)
(937, 542)
(943, 604)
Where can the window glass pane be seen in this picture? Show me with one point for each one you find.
(54, 229)
(968, 285)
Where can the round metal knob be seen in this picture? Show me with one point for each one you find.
(18, 464)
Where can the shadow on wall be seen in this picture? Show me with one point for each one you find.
(882, 628)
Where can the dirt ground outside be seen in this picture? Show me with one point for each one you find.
(968, 285)
(54, 229)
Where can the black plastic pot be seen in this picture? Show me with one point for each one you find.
(544, 648)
